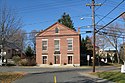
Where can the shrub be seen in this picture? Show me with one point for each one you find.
(24, 62)
(16, 59)
(50, 63)
(33, 62)
(10, 64)
(65, 63)
(121, 81)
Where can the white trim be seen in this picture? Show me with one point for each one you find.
(69, 54)
(72, 43)
(54, 58)
(56, 39)
(69, 38)
(72, 59)
(76, 65)
(59, 44)
(45, 55)
(44, 39)
(47, 59)
(69, 64)
(56, 64)
(47, 44)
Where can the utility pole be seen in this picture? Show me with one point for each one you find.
(92, 5)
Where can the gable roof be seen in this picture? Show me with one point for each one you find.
(55, 24)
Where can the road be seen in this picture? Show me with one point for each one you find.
(63, 75)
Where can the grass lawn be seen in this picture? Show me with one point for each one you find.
(8, 77)
(114, 76)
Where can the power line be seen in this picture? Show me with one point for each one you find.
(111, 34)
(98, 15)
(101, 6)
(51, 6)
(46, 6)
(110, 11)
(54, 20)
(113, 5)
(110, 22)
(113, 30)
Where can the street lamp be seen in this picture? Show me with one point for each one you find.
(85, 18)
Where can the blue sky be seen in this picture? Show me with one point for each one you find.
(39, 14)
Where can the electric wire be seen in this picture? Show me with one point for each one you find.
(101, 4)
(110, 11)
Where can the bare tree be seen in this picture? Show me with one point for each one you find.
(10, 26)
(101, 41)
(123, 16)
(32, 37)
(112, 34)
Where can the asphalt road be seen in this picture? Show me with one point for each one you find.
(63, 75)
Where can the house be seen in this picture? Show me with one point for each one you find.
(58, 45)
(9, 51)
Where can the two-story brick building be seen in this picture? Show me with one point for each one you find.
(58, 45)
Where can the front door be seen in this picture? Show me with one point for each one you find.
(57, 59)
(44, 59)
(69, 59)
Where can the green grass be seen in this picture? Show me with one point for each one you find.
(112, 76)
(8, 77)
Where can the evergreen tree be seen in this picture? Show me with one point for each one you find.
(30, 55)
(86, 46)
(66, 20)
(29, 52)
(83, 46)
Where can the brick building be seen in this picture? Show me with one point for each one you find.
(58, 45)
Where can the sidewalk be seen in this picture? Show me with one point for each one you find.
(98, 80)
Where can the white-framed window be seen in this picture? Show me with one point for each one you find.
(57, 44)
(44, 44)
(44, 59)
(70, 44)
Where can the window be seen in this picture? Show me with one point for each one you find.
(56, 30)
(69, 59)
(70, 44)
(56, 45)
(44, 59)
(44, 45)
(57, 59)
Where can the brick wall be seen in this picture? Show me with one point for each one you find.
(63, 34)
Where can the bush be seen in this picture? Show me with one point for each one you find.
(121, 81)
(33, 62)
(16, 59)
(65, 63)
(24, 62)
(10, 64)
(50, 63)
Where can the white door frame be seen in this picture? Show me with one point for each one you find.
(54, 60)
(72, 60)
